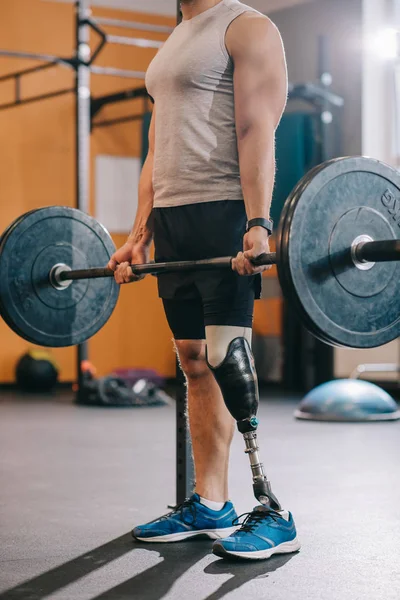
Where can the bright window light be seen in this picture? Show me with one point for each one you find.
(386, 44)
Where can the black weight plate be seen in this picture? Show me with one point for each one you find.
(339, 303)
(2, 238)
(283, 250)
(13, 224)
(282, 262)
(30, 305)
(283, 254)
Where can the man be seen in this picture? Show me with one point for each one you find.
(219, 86)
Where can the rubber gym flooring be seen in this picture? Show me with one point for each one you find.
(74, 481)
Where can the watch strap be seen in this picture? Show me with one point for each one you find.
(265, 223)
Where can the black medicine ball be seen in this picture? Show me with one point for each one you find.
(36, 372)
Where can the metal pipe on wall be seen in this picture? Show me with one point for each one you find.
(129, 41)
(48, 58)
(82, 131)
(28, 71)
(113, 72)
(133, 25)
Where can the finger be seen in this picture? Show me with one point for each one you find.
(119, 274)
(124, 272)
(129, 276)
(249, 268)
(127, 273)
(237, 262)
(258, 268)
(252, 269)
(241, 268)
(261, 269)
(112, 264)
(120, 277)
(254, 252)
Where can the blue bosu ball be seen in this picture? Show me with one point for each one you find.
(348, 400)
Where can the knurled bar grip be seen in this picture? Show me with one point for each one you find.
(166, 267)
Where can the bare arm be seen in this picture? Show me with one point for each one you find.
(137, 247)
(260, 85)
(141, 232)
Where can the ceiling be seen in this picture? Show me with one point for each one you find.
(168, 7)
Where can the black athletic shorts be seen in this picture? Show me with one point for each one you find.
(193, 300)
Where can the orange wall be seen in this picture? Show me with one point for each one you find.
(37, 169)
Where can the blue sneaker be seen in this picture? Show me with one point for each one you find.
(188, 520)
(263, 533)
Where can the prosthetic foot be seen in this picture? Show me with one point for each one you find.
(237, 379)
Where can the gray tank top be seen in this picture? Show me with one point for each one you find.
(191, 82)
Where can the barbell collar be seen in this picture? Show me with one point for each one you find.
(383, 251)
(56, 276)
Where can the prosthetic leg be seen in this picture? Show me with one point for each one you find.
(237, 379)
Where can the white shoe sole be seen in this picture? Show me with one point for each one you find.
(214, 534)
(285, 548)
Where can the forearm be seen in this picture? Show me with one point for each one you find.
(142, 231)
(257, 170)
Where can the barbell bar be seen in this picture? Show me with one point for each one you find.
(338, 254)
(361, 253)
(379, 251)
(159, 268)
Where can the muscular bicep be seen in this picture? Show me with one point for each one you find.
(260, 73)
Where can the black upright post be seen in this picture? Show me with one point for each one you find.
(82, 120)
(184, 458)
(319, 366)
(178, 12)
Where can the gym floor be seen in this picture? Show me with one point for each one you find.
(75, 480)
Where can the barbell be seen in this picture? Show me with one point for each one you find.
(338, 253)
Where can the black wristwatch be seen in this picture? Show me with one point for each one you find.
(265, 223)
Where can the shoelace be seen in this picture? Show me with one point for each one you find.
(254, 518)
(179, 508)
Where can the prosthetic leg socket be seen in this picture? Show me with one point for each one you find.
(237, 379)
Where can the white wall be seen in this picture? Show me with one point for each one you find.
(377, 131)
(377, 91)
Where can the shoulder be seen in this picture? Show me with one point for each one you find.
(251, 30)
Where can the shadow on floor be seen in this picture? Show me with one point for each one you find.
(151, 584)
(243, 572)
(71, 571)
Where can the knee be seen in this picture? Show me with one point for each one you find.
(192, 358)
